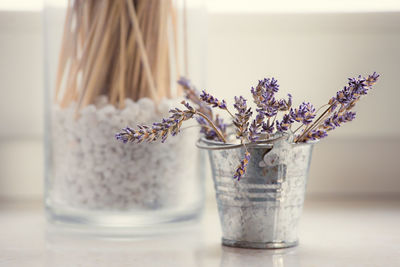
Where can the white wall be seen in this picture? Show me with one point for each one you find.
(21, 104)
(310, 54)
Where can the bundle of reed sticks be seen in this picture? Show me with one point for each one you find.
(118, 48)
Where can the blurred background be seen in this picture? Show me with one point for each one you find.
(310, 46)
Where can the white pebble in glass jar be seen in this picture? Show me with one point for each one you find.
(93, 170)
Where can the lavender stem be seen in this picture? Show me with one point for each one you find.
(212, 125)
(313, 125)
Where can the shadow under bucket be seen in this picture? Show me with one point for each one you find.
(263, 209)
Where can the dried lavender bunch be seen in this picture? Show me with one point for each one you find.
(265, 125)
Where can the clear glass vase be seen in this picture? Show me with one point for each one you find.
(110, 64)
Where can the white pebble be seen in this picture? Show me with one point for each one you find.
(92, 170)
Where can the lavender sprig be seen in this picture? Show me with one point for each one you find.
(284, 105)
(193, 95)
(254, 131)
(315, 135)
(241, 120)
(268, 127)
(286, 122)
(267, 107)
(159, 130)
(214, 102)
(263, 96)
(164, 128)
(242, 167)
(305, 113)
(345, 99)
(208, 131)
(337, 119)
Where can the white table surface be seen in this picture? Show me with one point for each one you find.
(332, 233)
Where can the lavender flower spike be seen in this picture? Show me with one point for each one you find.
(285, 124)
(254, 131)
(126, 135)
(184, 82)
(337, 119)
(305, 113)
(371, 80)
(314, 135)
(159, 130)
(214, 102)
(241, 169)
(241, 120)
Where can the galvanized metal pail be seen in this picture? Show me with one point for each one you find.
(263, 209)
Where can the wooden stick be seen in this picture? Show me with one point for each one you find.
(65, 45)
(185, 41)
(137, 66)
(107, 51)
(142, 49)
(161, 45)
(174, 22)
(90, 88)
(122, 57)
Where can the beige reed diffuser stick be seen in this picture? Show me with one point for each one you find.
(117, 48)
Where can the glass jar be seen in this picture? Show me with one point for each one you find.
(110, 64)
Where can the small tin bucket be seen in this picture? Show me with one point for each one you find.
(263, 209)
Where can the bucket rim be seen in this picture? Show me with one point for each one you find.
(207, 144)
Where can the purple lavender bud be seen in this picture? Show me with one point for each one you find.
(304, 114)
(214, 102)
(256, 127)
(345, 96)
(254, 131)
(358, 86)
(269, 111)
(349, 116)
(355, 88)
(240, 104)
(337, 119)
(241, 120)
(187, 105)
(270, 85)
(371, 80)
(284, 105)
(315, 135)
(289, 102)
(279, 127)
(184, 82)
(242, 167)
(333, 104)
(125, 135)
(263, 96)
(285, 124)
(268, 128)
